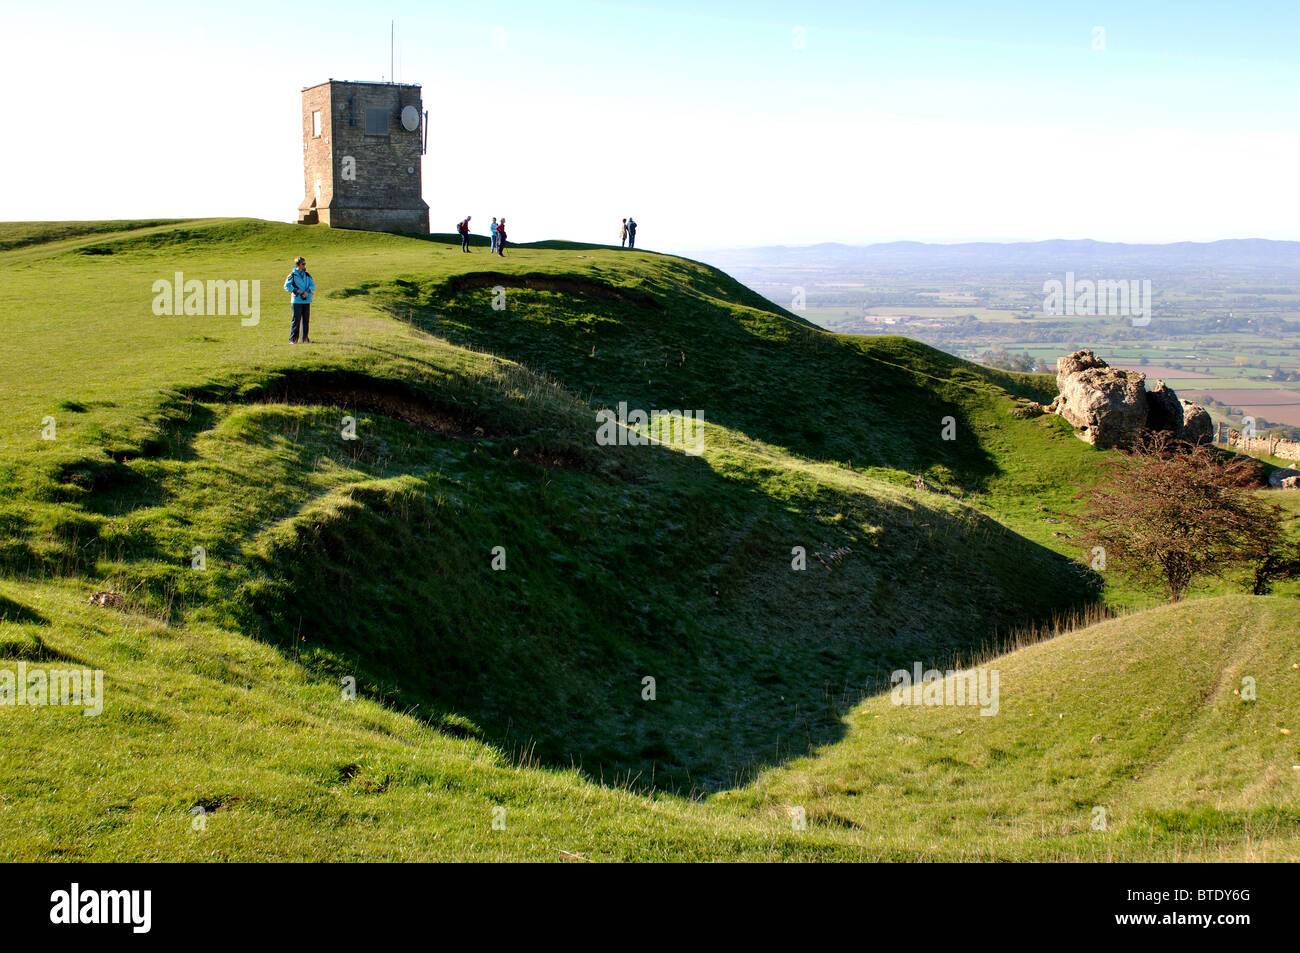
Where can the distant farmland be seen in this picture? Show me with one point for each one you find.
(1277, 406)
(1162, 371)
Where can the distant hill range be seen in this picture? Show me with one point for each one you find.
(1056, 255)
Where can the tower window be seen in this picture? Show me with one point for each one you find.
(376, 122)
(315, 124)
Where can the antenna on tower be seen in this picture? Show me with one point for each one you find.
(392, 39)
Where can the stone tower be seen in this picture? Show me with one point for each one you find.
(362, 144)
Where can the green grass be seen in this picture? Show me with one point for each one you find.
(1142, 716)
(26, 234)
(372, 558)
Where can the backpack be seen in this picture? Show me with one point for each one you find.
(461, 228)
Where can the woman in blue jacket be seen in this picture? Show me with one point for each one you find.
(302, 285)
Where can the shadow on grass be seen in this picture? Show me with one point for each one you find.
(682, 576)
(824, 399)
(652, 566)
(20, 614)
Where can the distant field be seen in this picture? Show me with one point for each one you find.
(1217, 326)
(1162, 371)
(935, 311)
(1279, 406)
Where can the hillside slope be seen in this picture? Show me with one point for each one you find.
(285, 769)
(1149, 718)
(373, 558)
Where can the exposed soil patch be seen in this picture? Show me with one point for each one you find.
(209, 805)
(351, 774)
(565, 284)
(378, 396)
(400, 401)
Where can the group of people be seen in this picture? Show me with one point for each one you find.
(626, 235)
(498, 235)
(301, 284)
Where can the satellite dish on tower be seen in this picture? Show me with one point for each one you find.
(410, 118)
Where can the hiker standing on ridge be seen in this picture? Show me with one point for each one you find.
(463, 228)
(622, 235)
(494, 235)
(501, 238)
(302, 284)
(631, 232)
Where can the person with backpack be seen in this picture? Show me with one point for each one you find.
(631, 232)
(494, 235)
(622, 235)
(463, 228)
(302, 284)
(501, 238)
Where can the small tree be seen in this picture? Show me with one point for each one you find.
(1172, 512)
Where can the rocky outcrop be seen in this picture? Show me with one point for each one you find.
(1112, 408)
(1029, 410)
(1107, 406)
(1077, 362)
(1284, 479)
(1182, 418)
(1198, 426)
(1164, 409)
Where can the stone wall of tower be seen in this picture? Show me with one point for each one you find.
(357, 180)
(318, 177)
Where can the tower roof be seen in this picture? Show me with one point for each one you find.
(360, 82)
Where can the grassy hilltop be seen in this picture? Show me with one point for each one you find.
(371, 559)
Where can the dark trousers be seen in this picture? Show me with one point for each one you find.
(501, 246)
(464, 242)
(301, 318)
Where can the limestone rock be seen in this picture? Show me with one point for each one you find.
(1164, 409)
(1284, 479)
(1029, 411)
(1074, 363)
(1111, 408)
(1107, 406)
(1198, 426)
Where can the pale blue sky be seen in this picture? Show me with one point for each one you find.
(936, 121)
